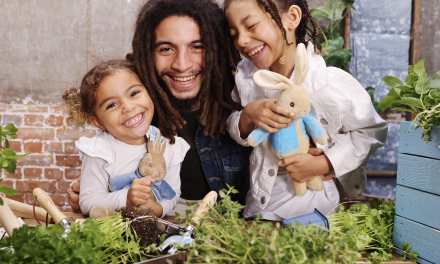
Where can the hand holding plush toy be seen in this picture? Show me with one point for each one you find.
(153, 164)
(291, 140)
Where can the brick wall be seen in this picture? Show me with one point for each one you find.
(54, 161)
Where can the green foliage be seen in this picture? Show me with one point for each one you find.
(8, 156)
(224, 237)
(419, 95)
(335, 54)
(370, 90)
(45, 245)
(364, 228)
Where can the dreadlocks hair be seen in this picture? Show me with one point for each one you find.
(79, 103)
(277, 7)
(216, 102)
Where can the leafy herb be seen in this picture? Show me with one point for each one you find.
(366, 228)
(419, 95)
(224, 237)
(8, 157)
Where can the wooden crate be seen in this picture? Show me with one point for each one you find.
(417, 218)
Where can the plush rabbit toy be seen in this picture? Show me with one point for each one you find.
(294, 97)
(153, 164)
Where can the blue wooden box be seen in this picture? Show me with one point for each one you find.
(417, 218)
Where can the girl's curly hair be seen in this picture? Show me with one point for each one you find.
(79, 103)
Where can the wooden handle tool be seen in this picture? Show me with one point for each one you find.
(210, 199)
(7, 218)
(46, 202)
(27, 211)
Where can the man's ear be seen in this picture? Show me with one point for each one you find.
(94, 120)
(292, 17)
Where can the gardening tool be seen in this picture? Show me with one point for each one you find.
(7, 218)
(187, 237)
(46, 202)
(27, 211)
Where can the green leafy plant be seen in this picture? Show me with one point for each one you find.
(364, 228)
(8, 157)
(370, 90)
(334, 54)
(224, 237)
(419, 95)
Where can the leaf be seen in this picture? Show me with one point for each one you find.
(433, 84)
(403, 109)
(419, 68)
(336, 9)
(436, 75)
(411, 79)
(392, 81)
(7, 190)
(411, 102)
(370, 90)
(414, 95)
(387, 101)
(338, 58)
(411, 70)
(316, 13)
(421, 84)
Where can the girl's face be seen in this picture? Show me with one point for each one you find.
(123, 107)
(256, 35)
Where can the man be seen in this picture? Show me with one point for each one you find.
(185, 58)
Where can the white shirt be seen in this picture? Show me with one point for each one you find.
(104, 157)
(343, 109)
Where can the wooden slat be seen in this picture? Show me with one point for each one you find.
(412, 142)
(418, 206)
(382, 173)
(423, 239)
(419, 173)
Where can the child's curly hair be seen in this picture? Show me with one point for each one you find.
(79, 103)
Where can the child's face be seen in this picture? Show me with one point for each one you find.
(123, 107)
(256, 35)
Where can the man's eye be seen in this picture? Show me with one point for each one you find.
(199, 47)
(110, 106)
(134, 93)
(165, 49)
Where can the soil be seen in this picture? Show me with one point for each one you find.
(144, 224)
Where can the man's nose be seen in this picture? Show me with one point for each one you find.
(182, 62)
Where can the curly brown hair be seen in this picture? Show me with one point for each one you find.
(277, 7)
(220, 60)
(79, 103)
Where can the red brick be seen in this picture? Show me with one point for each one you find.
(27, 198)
(53, 120)
(18, 108)
(63, 186)
(36, 133)
(35, 160)
(72, 173)
(4, 107)
(69, 148)
(58, 199)
(33, 120)
(37, 108)
(15, 119)
(53, 174)
(15, 145)
(17, 175)
(7, 183)
(29, 186)
(74, 134)
(34, 147)
(68, 160)
(56, 109)
(53, 147)
(33, 173)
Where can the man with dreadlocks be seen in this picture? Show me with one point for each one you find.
(185, 59)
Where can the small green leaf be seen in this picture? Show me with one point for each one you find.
(411, 70)
(419, 68)
(7, 190)
(316, 13)
(411, 79)
(403, 109)
(433, 84)
(411, 102)
(387, 101)
(421, 83)
(222, 194)
(436, 75)
(392, 81)
(414, 95)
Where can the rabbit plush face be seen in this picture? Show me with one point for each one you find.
(153, 164)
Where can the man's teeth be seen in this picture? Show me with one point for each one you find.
(184, 80)
(255, 51)
(133, 121)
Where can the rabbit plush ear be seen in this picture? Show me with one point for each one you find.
(163, 147)
(271, 80)
(301, 64)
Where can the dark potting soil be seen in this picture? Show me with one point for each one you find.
(143, 223)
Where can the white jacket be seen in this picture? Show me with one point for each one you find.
(343, 109)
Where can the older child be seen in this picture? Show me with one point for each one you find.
(112, 98)
(266, 33)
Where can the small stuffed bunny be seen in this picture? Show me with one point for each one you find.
(153, 164)
(294, 97)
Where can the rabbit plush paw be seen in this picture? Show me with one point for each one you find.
(251, 141)
(300, 188)
(316, 184)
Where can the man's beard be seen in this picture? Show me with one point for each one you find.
(182, 105)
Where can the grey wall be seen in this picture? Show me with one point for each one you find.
(429, 44)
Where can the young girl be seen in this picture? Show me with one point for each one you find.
(266, 33)
(112, 98)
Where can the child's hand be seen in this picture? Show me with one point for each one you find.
(140, 191)
(266, 114)
(304, 167)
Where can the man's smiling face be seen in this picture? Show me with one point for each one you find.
(180, 56)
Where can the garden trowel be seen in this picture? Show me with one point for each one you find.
(187, 238)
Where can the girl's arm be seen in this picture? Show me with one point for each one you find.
(94, 187)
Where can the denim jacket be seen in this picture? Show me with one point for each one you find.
(224, 162)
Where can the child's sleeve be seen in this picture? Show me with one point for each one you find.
(94, 187)
(234, 119)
